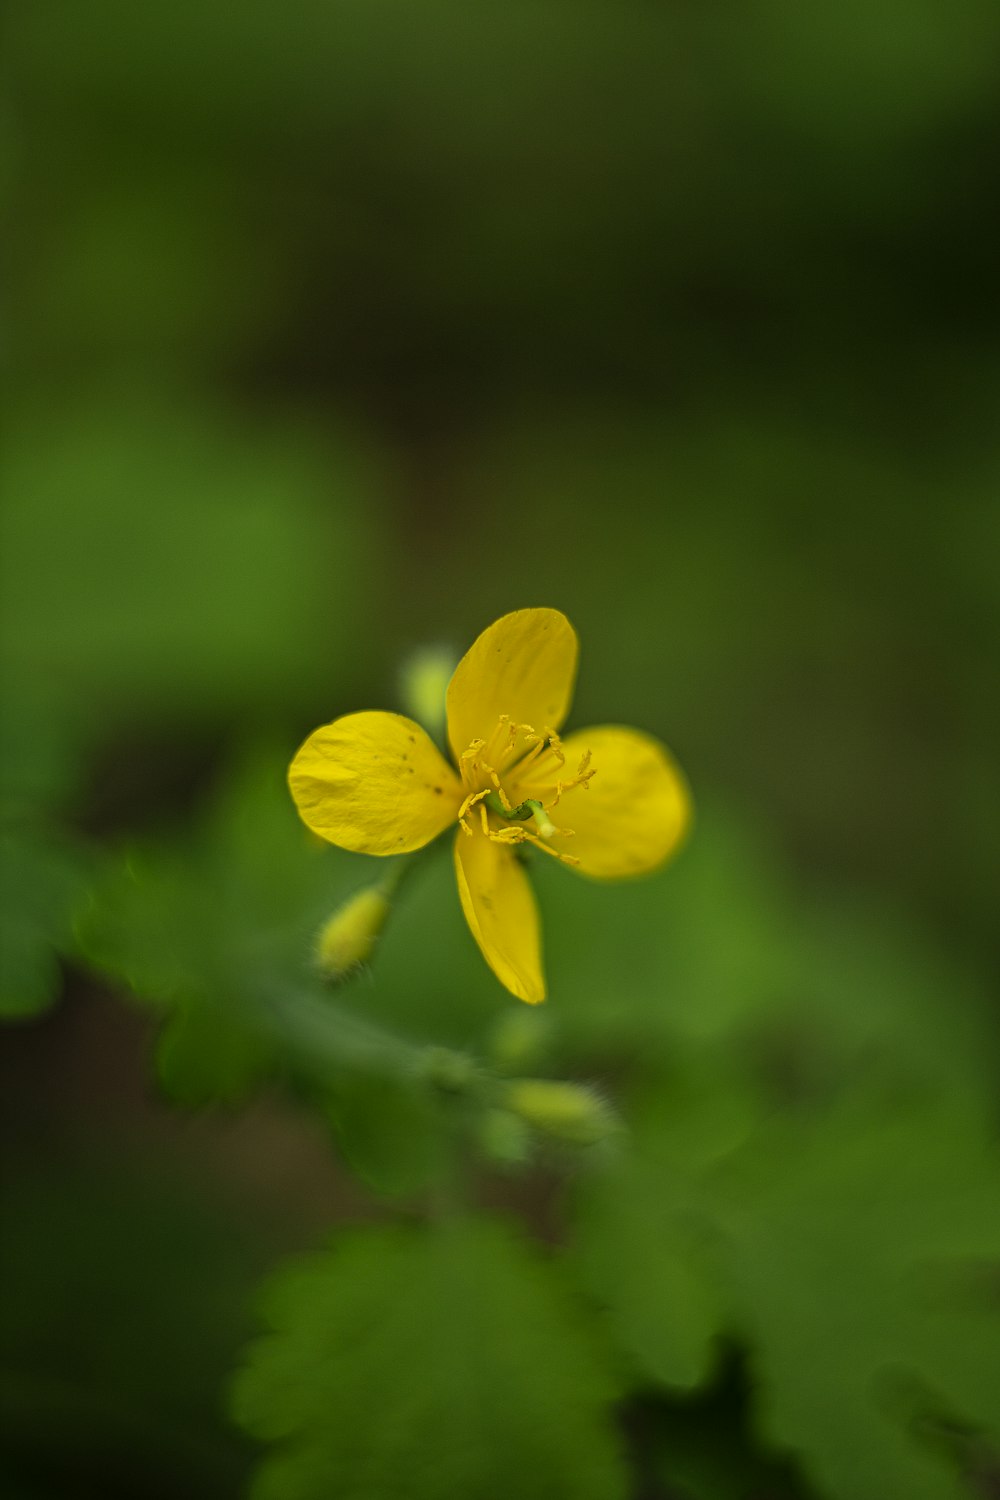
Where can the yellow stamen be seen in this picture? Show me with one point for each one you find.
(508, 805)
(502, 724)
(468, 760)
(566, 859)
(537, 742)
(512, 836)
(581, 779)
(511, 739)
(488, 758)
(467, 807)
(471, 801)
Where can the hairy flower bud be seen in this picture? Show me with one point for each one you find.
(566, 1111)
(348, 939)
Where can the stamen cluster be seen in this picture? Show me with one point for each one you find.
(530, 761)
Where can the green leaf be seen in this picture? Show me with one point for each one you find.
(41, 883)
(724, 953)
(690, 953)
(644, 1244)
(646, 1265)
(392, 1133)
(43, 868)
(851, 1250)
(204, 1057)
(429, 1363)
(859, 1258)
(197, 928)
(216, 932)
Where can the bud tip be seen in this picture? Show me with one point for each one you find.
(348, 939)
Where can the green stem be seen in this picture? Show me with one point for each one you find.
(399, 868)
(398, 872)
(322, 1039)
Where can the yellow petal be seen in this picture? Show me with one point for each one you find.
(374, 783)
(499, 907)
(524, 666)
(632, 814)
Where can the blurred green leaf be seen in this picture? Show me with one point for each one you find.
(863, 1258)
(392, 1133)
(726, 954)
(198, 928)
(43, 868)
(212, 928)
(647, 1266)
(853, 1252)
(643, 1243)
(695, 952)
(205, 1056)
(41, 885)
(429, 1363)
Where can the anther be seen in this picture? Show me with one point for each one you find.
(508, 806)
(566, 859)
(513, 836)
(467, 807)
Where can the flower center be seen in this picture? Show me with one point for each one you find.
(534, 767)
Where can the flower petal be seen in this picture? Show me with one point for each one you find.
(524, 666)
(374, 783)
(635, 811)
(499, 907)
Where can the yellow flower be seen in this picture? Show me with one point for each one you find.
(608, 802)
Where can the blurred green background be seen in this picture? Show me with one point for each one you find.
(335, 330)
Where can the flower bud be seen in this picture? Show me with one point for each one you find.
(566, 1111)
(348, 939)
(425, 681)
